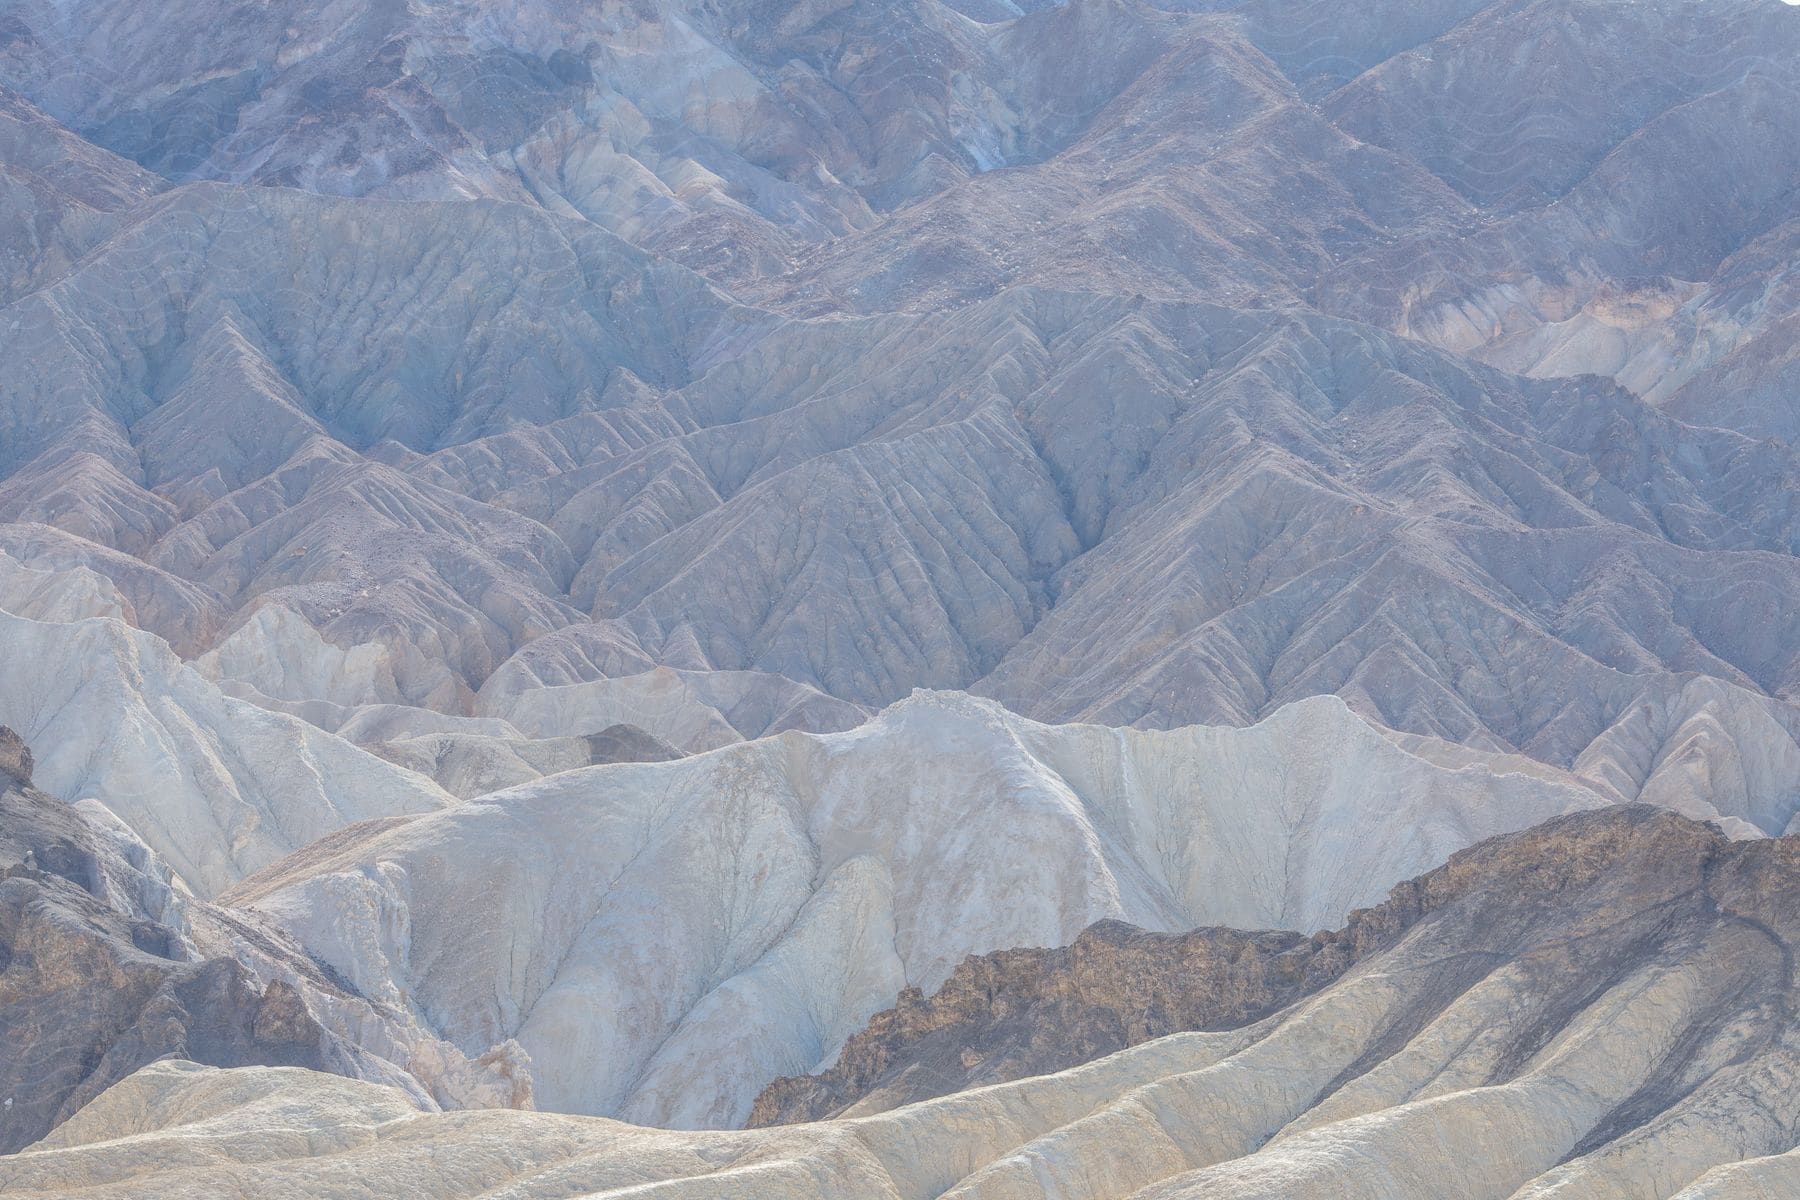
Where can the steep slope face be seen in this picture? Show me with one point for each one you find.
(1014, 1013)
(1279, 506)
(93, 985)
(107, 962)
(258, 288)
(1567, 123)
(1511, 130)
(1598, 1007)
(89, 997)
(1022, 1012)
(724, 134)
(1248, 510)
(1207, 177)
(396, 395)
(1747, 319)
(59, 195)
(470, 765)
(664, 939)
(201, 392)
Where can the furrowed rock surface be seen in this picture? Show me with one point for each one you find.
(1284, 505)
(216, 786)
(107, 963)
(1584, 265)
(582, 343)
(1599, 1007)
(60, 195)
(1013, 1013)
(695, 710)
(394, 396)
(470, 765)
(664, 939)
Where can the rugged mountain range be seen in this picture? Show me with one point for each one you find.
(571, 553)
(1034, 1011)
(504, 433)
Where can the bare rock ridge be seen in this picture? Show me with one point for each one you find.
(628, 743)
(565, 553)
(216, 786)
(1021, 1012)
(1601, 1006)
(1014, 1013)
(476, 764)
(15, 758)
(1075, 362)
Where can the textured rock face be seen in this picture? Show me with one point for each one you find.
(1025, 1012)
(627, 743)
(705, 344)
(664, 939)
(218, 787)
(107, 963)
(1376, 420)
(92, 987)
(1013, 1013)
(1597, 1007)
(15, 759)
(470, 765)
(88, 997)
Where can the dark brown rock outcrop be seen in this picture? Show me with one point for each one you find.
(1031, 1011)
(1573, 905)
(90, 992)
(15, 758)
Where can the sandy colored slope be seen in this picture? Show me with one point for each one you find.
(1594, 1008)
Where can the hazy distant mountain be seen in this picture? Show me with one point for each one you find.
(368, 451)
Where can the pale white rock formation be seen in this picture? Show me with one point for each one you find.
(1769, 1178)
(1709, 750)
(41, 594)
(471, 765)
(279, 654)
(665, 938)
(108, 961)
(218, 787)
(181, 613)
